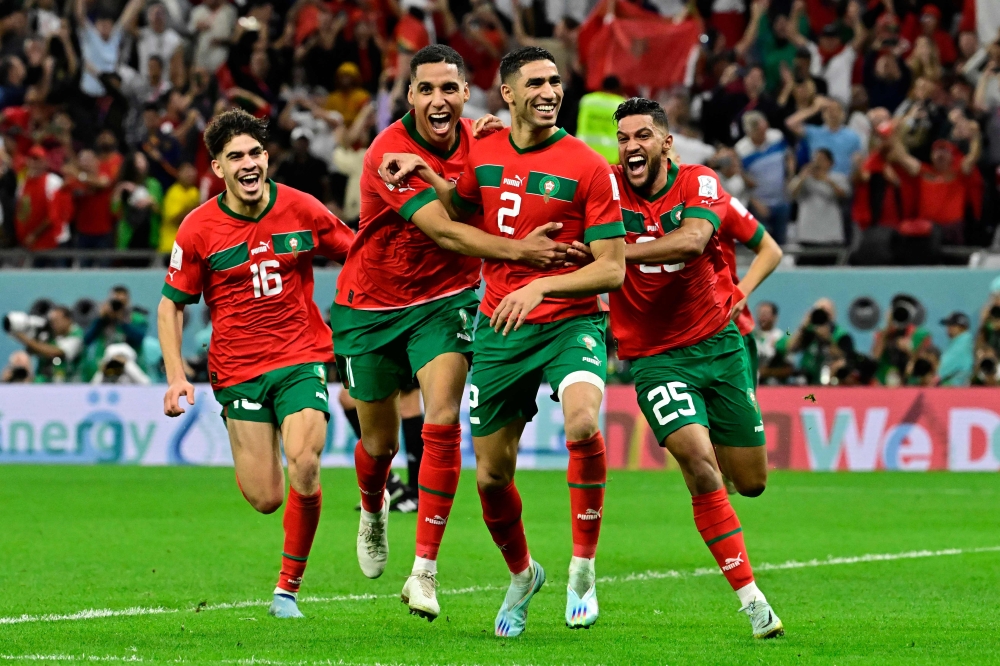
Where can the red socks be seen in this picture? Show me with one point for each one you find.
(372, 476)
(720, 528)
(502, 513)
(438, 480)
(301, 519)
(587, 475)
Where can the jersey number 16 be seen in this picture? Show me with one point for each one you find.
(264, 283)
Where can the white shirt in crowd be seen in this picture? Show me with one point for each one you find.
(209, 51)
(820, 219)
(161, 44)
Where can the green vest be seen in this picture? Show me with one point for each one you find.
(596, 125)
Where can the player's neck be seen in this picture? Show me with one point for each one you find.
(657, 184)
(525, 135)
(254, 210)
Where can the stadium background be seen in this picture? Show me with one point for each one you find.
(101, 158)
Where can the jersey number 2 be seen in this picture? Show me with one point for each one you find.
(512, 211)
(268, 284)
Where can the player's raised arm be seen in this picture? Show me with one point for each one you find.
(397, 168)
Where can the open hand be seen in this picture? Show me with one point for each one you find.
(540, 251)
(515, 307)
(486, 125)
(579, 254)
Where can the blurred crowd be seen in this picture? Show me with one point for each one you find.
(865, 124)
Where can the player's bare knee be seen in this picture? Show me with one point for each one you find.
(441, 414)
(380, 445)
(493, 480)
(751, 486)
(266, 503)
(581, 423)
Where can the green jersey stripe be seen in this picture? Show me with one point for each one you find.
(417, 202)
(293, 241)
(634, 222)
(178, 296)
(551, 186)
(463, 204)
(757, 237)
(703, 214)
(587, 485)
(603, 231)
(489, 175)
(231, 257)
(435, 492)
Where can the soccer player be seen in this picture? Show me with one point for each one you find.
(404, 307)
(538, 323)
(250, 252)
(672, 321)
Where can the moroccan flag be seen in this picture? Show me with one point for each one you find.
(640, 47)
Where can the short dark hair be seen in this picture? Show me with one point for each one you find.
(611, 84)
(827, 153)
(436, 53)
(230, 124)
(120, 289)
(512, 63)
(770, 304)
(66, 312)
(640, 106)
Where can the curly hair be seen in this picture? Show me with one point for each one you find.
(640, 106)
(226, 126)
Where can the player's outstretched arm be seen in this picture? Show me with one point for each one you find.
(397, 167)
(536, 249)
(768, 257)
(683, 244)
(170, 325)
(605, 273)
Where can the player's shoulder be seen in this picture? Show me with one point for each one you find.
(393, 138)
(493, 144)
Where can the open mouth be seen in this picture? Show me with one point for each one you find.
(636, 165)
(250, 182)
(545, 109)
(440, 122)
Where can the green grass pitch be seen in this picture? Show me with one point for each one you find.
(76, 539)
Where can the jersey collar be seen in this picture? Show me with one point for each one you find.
(560, 133)
(233, 214)
(410, 123)
(672, 171)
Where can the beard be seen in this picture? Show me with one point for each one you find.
(654, 163)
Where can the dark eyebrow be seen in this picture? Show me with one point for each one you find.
(537, 81)
(234, 155)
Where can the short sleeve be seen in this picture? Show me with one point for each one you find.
(406, 198)
(335, 237)
(467, 195)
(185, 274)
(702, 196)
(603, 212)
(742, 225)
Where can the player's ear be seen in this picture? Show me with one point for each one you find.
(507, 93)
(465, 91)
(216, 169)
(668, 143)
(409, 94)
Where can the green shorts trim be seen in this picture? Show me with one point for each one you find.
(380, 351)
(507, 370)
(751, 346)
(274, 395)
(707, 383)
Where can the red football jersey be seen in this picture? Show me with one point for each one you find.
(257, 278)
(673, 305)
(559, 180)
(392, 263)
(739, 224)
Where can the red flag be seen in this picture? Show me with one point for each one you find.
(639, 47)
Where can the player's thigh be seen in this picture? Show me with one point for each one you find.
(746, 467)
(380, 425)
(442, 382)
(506, 374)
(409, 402)
(257, 460)
(577, 371)
(669, 394)
(496, 455)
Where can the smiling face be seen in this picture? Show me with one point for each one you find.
(243, 165)
(642, 149)
(438, 93)
(535, 94)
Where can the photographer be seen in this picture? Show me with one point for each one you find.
(117, 322)
(988, 340)
(822, 342)
(118, 366)
(55, 339)
(955, 368)
(901, 340)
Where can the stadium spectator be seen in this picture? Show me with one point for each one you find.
(766, 335)
(897, 345)
(821, 342)
(138, 203)
(12, 77)
(44, 208)
(18, 369)
(211, 24)
(180, 199)
(766, 162)
(118, 366)
(157, 38)
(841, 141)
(58, 356)
(819, 192)
(988, 336)
(886, 77)
(91, 179)
(955, 368)
(100, 44)
(301, 170)
(349, 96)
(595, 123)
(728, 165)
(117, 322)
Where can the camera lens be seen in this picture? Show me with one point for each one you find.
(995, 311)
(921, 368)
(819, 317)
(116, 304)
(902, 314)
(988, 366)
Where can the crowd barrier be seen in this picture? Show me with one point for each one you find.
(819, 429)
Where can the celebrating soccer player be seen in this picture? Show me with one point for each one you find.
(250, 252)
(404, 307)
(672, 321)
(537, 323)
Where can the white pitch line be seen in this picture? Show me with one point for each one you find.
(95, 613)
